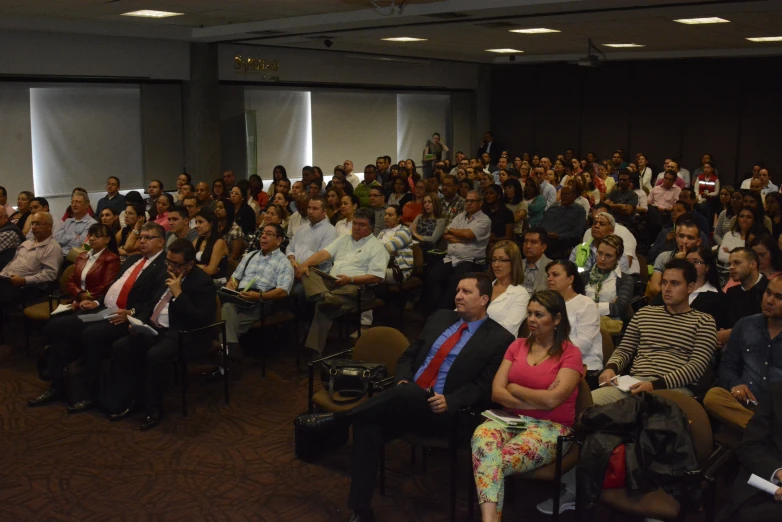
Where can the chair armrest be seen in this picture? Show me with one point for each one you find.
(201, 329)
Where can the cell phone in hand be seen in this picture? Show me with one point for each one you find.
(430, 392)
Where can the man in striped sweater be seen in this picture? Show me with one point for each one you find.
(666, 347)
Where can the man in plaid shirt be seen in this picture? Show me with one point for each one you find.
(10, 238)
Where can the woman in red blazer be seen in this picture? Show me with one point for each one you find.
(103, 261)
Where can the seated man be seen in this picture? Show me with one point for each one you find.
(358, 259)
(751, 362)
(112, 198)
(451, 365)
(204, 197)
(179, 223)
(140, 362)
(565, 222)
(760, 454)
(585, 254)
(73, 233)
(666, 347)
(687, 237)
(10, 238)
(535, 260)
(661, 200)
(36, 262)
(377, 202)
(467, 237)
(623, 199)
(299, 217)
(190, 204)
(264, 276)
(312, 238)
(744, 299)
(134, 292)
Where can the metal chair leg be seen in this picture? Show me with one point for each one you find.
(382, 470)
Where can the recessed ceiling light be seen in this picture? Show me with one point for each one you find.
(536, 30)
(404, 39)
(697, 21)
(148, 13)
(766, 39)
(624, 45)
(509, 51)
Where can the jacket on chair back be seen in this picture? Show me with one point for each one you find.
(469, 379)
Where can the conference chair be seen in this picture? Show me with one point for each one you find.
(660, 504)
(279, 317)
(42, 312)
(353, 318)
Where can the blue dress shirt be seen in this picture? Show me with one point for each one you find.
(443, 373)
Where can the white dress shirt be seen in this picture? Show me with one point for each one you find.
(585, 330)
(113, 293)
(510, 309)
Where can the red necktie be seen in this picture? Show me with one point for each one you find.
(159, 308)
(122, 299)
(429, 376)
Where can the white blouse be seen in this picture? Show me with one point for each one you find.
(730, 241)
(510, 309)
(607, 293)
(585, 330)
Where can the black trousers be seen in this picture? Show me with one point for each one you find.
(388, 415)
(441, 283)
(69, 337)
(11, 295)
(759, 508)
(141, 367)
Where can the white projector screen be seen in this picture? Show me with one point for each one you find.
(83, 134)
(418, 117)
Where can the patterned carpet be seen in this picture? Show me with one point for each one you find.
(223, 462)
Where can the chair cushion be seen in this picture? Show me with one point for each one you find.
(657, 504)
(274, 319)
(321, 399)
(38, 312)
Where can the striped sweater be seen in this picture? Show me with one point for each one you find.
(676, 349)
(398, 241)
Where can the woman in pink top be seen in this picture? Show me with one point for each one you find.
(539, 380)
(164, 203)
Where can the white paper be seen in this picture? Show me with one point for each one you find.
(762, 484)
(62, 308)
(103, 314)
(623, 382)
(142, 328)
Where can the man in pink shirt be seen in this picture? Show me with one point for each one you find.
(672, 166)
(665, 195)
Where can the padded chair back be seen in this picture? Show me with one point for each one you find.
(232, 264)
(381, 344)
(608, 345)
(584, 399)
(418, 260)
(66, 275)
(643, 266)
(700, 427)
(524, 330)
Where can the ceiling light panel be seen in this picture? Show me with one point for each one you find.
(404, 39)
(536, 30)
(623, 45)
(700, 21)
(505, 51)
(766, 39)
(148, 13)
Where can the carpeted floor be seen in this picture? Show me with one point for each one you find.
(223, 462)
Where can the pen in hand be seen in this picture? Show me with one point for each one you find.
(615, 377)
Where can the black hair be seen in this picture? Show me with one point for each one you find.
(99, 229)
(687, 268)
(182, 211)
(767, 240)
(517, 193)
(278, 230)
(397, 210)
(753, 256)
(43, 201)
(115, 178)
(160, 183)
(170, 198)
(483, 283)
(541, 232)
(186, 175)
(554, 304)
(184, 247)
(134, 196)
(571, 270)
(365, 213)
(707, 254)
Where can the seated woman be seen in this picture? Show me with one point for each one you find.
(502, 219)
(415, 205)
(743, 230)
(244, 215)
(110, 218)
(333, 200)
(509, 298)
(257, 193)
(20, 217)
(127, 238)
(536, 203)
(583, 316)
(605, 284)
(538, 379)
(211, 249)
(514, 200)
(401, 192)
(349, 205)
(428, 226)
(228, 230)
(165, 202)
(218, 190)
(95, 270)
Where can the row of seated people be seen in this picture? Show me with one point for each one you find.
(464, 358)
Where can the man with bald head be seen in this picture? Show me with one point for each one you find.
(203, 197)
(36, 262)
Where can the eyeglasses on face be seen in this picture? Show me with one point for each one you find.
(175, 265)
(146, 237)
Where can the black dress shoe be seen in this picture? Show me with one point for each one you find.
(46, 397)
(124, 414)
(362, 516)
(315, 421)
(151, 420)
(84, 405)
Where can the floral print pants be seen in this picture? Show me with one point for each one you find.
(498, 452)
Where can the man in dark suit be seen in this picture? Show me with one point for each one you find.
(451, 365)
(142, 361)
(760, 454)
(491, 147)
(132, 294)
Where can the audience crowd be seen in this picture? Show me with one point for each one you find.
(529, 265)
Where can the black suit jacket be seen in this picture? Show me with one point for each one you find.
(196, 306)
(147, 289)
(469, 379)
(760, 451)
(494, 152)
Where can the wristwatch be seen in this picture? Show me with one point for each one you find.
(137, 232)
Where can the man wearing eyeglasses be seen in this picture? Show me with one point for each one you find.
(263, 276)
(141, 362)
(467, 237)
(358, 259)
(134, 293)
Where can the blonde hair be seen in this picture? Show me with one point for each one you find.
(616, 243)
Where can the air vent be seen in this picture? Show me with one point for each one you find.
(498, 25)
(269, 32)
(447, 16)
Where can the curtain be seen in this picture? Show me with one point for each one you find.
(284, 130)
(16, 157)
(83, 134)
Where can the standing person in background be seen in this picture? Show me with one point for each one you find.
(112, 198)
(350, 176)
(433, 153)
(154, 189)
(229, 179)
(181, 180)
(278, 173)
